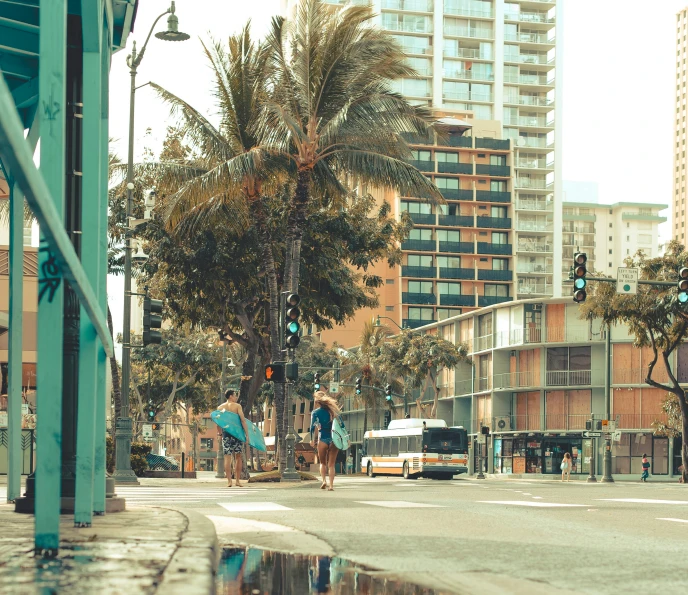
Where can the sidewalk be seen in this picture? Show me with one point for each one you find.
(145, 550)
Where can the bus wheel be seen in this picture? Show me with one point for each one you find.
(406, 473)
(370, 470)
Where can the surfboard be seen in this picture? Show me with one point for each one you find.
(231, 423)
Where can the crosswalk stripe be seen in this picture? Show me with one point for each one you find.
(398, 504)
(674, 520)
(642, 501)
(253, 506)
(529, 503)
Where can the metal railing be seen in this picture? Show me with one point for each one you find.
(563, 421)
(457, 220)
(529, 17)
(530, 267)
(475, 54)
(490, 275)
(572, 334)
(511, 380)
(418, 298)
(638, 375)
(473, 75)
(529, 38)
(483, 384)
(483, 343)
(468, 32)
(420, 272)
(536, 289)
(492, 196)
(468, 12)
(415, 5)
(457, 247)
(534, 205)
(533, 247)
(498, 249)
(534, 226)
(520, 336)
(569, 378)
(483, 221)
(533, 183)
(534, 164)
(457, 273)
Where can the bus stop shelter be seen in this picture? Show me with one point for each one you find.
(54, 64)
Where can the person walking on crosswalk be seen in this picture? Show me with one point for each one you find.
(321, 432)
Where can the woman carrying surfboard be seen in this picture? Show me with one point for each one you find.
(323, 415)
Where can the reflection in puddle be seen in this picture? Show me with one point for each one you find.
(252, 571)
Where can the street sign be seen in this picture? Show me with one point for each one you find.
(627, 281)
(482, 438)
(25, 408)
(592, 434)
(616, 436)
(334, 387)
(147, 432)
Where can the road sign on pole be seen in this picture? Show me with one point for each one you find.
(334, 387)
(592, 434)
(147, 432)
(627, 281)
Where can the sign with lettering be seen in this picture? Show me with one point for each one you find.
(627, 281)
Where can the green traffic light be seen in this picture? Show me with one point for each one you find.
(683, 297)
(293, 327)
(580, 283)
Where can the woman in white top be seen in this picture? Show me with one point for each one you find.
(566, 465)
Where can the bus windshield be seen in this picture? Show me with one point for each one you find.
(445, 440)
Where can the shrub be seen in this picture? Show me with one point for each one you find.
(139, 450)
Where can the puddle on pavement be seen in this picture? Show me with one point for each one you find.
(254, 571)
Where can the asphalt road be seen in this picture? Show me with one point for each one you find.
(464, 536)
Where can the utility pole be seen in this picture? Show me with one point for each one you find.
(607, 462)
(221, 398)
(591, 477)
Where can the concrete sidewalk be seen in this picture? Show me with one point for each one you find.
(144, 550)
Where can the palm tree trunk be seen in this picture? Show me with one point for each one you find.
(297, 218)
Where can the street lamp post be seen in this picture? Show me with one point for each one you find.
(123, 472)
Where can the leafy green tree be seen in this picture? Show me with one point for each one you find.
(418, 358)
(672, 426)
(654, 317)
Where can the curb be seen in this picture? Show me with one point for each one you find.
(193, 566)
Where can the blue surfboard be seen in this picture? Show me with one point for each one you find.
(231, 423)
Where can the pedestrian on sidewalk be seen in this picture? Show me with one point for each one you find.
(646, 469)
(566, 465)
(321, 432)
(349, 464)
(233, 447)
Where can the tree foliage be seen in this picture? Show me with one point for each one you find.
(672, 426)
(654, 317)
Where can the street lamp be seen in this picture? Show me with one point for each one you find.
(379, 324)
(123, 472)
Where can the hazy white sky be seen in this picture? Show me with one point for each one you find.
(618, 81)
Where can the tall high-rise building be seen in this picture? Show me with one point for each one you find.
(679, 208)
(497, 59)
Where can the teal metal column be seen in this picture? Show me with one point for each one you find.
(52, 111)
(102, 396)
(14, 366)
(90, 259)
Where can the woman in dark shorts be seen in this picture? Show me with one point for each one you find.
(321, 423)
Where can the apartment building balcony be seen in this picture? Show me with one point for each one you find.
(410, 5)
(643, 217)
(530, 101)
(418, 298)
(466, 96)
(572, 334)
(449, 299)
(490, 275)
(492, 196)
(530, 38)
(563, 421)
(414, 323)
(445, 167)
(354, 2)
(415, 27)
(473, 33)
(483, 384)
(530, 122)
(469, 75)
(456, 193)
(457, 247)
(485, 222)
(457, 220)
(419, 245)
(539, 164)
(419, 272)
(423, 218)
(457, 273)
(416, 50)
(461, 141)
(491, 300)
(497, 249)
(521, 336)
(424, 166)
(535, 226)
(530, 17)
(532, 142)
(535, 205)
(483, 343)
(526, 268)
(534, 184)
(535, 289)
(503, 171)
(469, 12)
(530, 59)
(534, 247)
(569, 378)
(511, 380)
(470, 53)
(495, 144)
(639, 421)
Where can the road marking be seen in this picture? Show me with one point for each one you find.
(674, 520)
(252, 506)
(537, 497)
(398, 504)
(411, 485)
(232, 525)
(529, 503)
(642, 501)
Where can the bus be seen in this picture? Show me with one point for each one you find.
(408, 449)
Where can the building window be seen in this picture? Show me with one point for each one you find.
(568, 366)
(420, 314)
(610, 226)
(500, 264)
(390, 281)
(610, 251)
(500, 237)
(610, 238)
(389, 308)
(496, 290)
(420, 286)
(302, 407)
(610, 265)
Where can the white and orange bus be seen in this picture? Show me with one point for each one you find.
(409, 449)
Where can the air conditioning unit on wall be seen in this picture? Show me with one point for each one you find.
(503, 424)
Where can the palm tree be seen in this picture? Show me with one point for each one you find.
(333, 113)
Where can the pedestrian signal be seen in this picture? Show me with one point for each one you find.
(274, 372)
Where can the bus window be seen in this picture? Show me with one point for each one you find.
(395, 447)
(378, 446)
(403, 444)
(413, 444)
(438, 439)
(366, 446)
(385, 446)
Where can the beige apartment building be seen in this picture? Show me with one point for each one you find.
(679, 208)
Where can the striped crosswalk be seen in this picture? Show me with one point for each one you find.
(147, 496)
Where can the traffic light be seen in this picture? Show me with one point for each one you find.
(156, 427)
(152, 321)
(316, 381)
(151, 412)
(388, 418)
(388, 392)
(588, 424)
(291, 371)
(292, 326)
(274, 372)
(683, 286)
(579, 282)
(485, 430)
(358, 386)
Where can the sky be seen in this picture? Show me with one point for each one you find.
(618, 89)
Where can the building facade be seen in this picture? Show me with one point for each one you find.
(537, 376)
(679, 207)
(609, 234)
